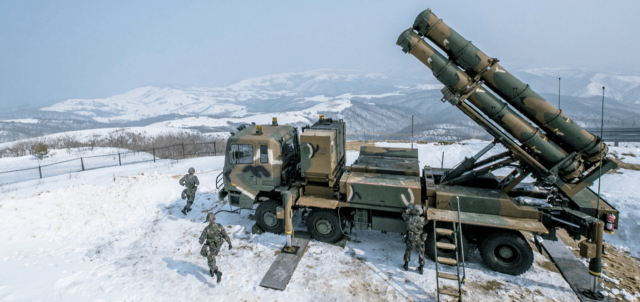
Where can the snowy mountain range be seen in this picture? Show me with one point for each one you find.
(368, 101)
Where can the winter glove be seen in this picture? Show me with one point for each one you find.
(201, 241)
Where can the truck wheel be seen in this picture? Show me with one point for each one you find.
(507, 253)
(267, 219)
(463, 244)
(324, 226)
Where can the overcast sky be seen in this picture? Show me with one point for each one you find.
(55, 50)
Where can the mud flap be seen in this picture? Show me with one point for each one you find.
(576, 274)
(281, 270)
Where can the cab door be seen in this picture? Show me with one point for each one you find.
(243, 166)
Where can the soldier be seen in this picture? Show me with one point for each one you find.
(191, 182)
(212, 237)
(415, 237)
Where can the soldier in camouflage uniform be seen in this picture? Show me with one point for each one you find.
(415, 237)
(212, 237)
(191, 182)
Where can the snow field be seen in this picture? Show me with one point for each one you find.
(66, 162)
(93, 238)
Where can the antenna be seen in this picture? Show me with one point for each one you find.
(559, 93)
(412, 132)
(601, 146)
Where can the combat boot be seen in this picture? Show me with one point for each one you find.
(421, 269)
(218, 276)
(211, 273)
(184, 211)
(406, 266)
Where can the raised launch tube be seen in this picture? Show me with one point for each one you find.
(461, 83)
(558, 126)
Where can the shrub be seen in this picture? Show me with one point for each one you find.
(41, 148)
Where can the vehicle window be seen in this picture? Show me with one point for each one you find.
(241, 154)
(264, 157)
(232, 156)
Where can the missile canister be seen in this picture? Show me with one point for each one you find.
(461, 83)
(519, 95)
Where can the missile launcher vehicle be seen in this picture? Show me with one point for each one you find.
(276, 170)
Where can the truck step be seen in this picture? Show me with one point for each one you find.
(449, 292)
(445, 246)
(444, 232)
(447, 276)
(447, 261)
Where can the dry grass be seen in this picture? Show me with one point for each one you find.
(115, 139)
(623, 165)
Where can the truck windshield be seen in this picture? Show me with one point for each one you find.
(241, 154)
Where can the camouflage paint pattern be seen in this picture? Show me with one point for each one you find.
(415, 236)
(191, 182)
(507, 86)
(318, 155)
(388, 152)
(495, 221)
(381, 191)
(396, 161)
(586, 202)
(212, 236)
(482, 201)
(462, 84)
(340, 127)
(249, 179)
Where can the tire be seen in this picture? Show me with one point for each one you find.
(431, 242)
(324, 225)
(266, 217)
(507, 253)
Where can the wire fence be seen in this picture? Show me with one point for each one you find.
(617, 135)
(85, 163)
(613, 135)
(439, 134)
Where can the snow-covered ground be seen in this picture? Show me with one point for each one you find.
(117, 234)
(88, 135)
(24, 121)
(65, 162)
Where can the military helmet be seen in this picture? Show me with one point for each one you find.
(211, 217)
(416, 211)
(192, 170)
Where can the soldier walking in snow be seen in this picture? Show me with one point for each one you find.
(212, 237)
(415, 235)
(191, 182)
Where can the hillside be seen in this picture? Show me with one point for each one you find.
(369, 102)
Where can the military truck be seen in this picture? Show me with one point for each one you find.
(277, 170)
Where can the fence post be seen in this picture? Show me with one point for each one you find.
(154, 155)
(183, 155)
(40, 170)
(82, 162)
(215, 151)
(119, 159)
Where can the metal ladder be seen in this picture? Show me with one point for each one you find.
(460, 279)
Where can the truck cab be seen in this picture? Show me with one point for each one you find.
(260, 161)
